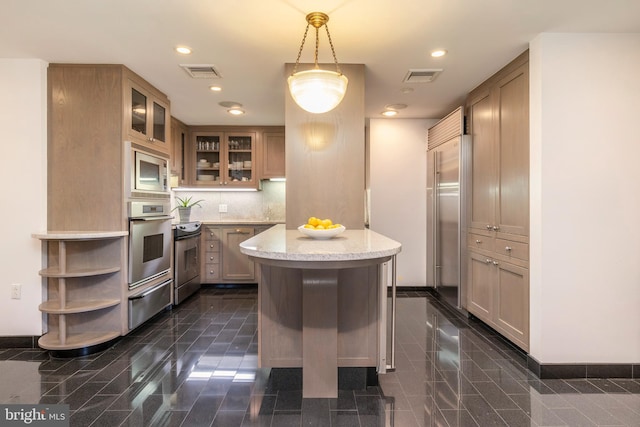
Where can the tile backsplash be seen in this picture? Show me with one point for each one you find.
(267, 204)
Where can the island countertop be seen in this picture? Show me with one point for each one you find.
(280, 244)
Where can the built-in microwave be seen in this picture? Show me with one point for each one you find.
(149, 176)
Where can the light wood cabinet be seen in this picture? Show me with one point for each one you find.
(273, 155)
(235, 264)
(147, 114)
(498, 202)
(221, 260)
(85, 299)
(210, 271)
(223, 159)
(179, 143)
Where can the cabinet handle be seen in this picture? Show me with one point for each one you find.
(478, 241)
(488, 261)
(211, 272)
(507, 248)
(495, 228)
(488, 227)
(211, 258)
(495, 262)
(211, 246)
(151, 139)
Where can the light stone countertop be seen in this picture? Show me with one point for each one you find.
(280, 244)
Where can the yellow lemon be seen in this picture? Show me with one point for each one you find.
(320, 227)
(326, 223)
(313, 221)
(308, 226)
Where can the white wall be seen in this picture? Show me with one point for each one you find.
(398, 182)
(23, 135)
(585, 198)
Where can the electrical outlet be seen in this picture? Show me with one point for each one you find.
(16, 291)
(222, 208)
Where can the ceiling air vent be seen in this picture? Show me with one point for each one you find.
(201, 71)
(421, 76)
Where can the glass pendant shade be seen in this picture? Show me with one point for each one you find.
(317, 91)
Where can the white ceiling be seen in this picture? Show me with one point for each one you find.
(249, 41)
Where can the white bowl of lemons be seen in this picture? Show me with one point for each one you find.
(321, 229)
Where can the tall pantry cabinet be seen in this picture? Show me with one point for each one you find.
(92, 111)
(498, 222)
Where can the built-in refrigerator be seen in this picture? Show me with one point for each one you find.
(446, 178)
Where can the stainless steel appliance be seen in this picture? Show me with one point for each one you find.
(186, 260)
(445, 218)
(148, 176)
(150, 278)
(149, 241)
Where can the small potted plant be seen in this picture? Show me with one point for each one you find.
(184, 207)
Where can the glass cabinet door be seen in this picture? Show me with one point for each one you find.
(138, 112)
(240, 159)
(208, 159)
(159, 122)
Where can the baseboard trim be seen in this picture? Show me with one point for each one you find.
(19, 342)
(582, 370)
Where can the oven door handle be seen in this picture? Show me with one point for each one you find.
(149, 291)
(153, 218)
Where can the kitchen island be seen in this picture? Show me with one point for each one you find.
(321, 303)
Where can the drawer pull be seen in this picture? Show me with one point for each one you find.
(478, 241)
(495, 228)
(488, 261)
(488, 227)
(495, 262)
(212, 272)
(507, 248)
(211, 258)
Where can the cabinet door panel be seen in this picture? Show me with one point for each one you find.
(480, 294)
(482, 164)
(273, 152)
(512, 313)
(235, 264)
(513, 130)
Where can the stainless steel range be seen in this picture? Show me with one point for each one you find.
(187, 260)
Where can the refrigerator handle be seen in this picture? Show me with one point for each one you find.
(436, 220)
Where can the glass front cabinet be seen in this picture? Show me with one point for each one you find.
(224, 159)
(148, 116)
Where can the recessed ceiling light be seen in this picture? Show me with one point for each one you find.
(389, 113)
(215, 88)
(395, 106)
(183, 50)
(438, 53)
(236, 111)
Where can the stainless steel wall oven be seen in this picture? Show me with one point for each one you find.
(150, 278)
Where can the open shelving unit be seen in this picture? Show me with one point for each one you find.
(84, 289)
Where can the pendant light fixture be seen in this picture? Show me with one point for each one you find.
(317, 91)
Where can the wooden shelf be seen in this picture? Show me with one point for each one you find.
(51, 341)
(77, 306)
(78, 272)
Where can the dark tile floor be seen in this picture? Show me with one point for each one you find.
(196, 366)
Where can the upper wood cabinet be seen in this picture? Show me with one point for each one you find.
(147, 114)
(273, 152)
(499, 124)
(223, 159)
(179, 143)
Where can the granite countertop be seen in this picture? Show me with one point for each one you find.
(278, 243)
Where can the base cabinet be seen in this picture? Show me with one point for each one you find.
(235, 264)
(221, 260)
(498, 294)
